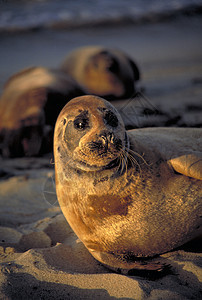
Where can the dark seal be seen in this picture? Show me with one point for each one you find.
(29, 106)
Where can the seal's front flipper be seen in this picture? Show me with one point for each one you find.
(188, 164)
(149, 267)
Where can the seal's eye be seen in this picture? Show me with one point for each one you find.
(81, 124)
(111, 119)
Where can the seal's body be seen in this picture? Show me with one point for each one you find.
(101, 71)
(130, 194)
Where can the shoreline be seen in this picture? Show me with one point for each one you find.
(150, 45)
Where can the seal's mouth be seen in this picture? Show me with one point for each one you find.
(96, 160)
(87, 167)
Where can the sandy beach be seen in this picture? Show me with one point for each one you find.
(40, 256)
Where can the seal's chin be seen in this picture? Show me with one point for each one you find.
(83, 166)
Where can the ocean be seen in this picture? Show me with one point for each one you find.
(25, 15)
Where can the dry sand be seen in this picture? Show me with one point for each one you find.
(40, 256)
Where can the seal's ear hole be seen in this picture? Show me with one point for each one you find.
(111, 119)
(64, 121)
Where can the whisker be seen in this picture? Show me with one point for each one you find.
(119, 158)
(138, 107)
(139, 155)
(120, 167)
(124, 162)
(133, 161)
(140, 94)
(52, 161)
(66, 164)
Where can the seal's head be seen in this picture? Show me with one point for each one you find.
(90, 134)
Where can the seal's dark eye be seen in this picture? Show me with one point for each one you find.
(81, 124)
(111, 119)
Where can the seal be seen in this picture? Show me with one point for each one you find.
(101, 71)
(127, 195)
(29, 106)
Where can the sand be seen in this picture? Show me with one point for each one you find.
(40, 256)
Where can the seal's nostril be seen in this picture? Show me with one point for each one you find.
(107, 137)
(104, 141)
(104, 138)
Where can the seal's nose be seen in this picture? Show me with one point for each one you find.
(107, 137)
(105, 141)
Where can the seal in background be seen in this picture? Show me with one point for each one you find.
(29, 106)
(101, 71)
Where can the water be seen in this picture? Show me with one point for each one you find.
(18, 15)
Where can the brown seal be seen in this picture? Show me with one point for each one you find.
(29, 106)
(101, 71)
(127, 195)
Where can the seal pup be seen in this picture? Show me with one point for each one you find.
(101, 71)
(127, 195)
(29, 106)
